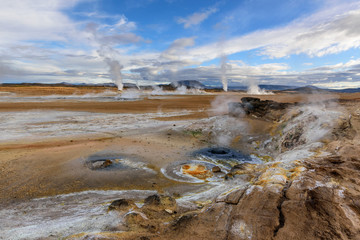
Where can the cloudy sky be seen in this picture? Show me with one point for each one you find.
(288, 42)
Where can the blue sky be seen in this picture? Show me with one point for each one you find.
(292, 42)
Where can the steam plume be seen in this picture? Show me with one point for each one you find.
(115, 72)
(115, 67)
(223, 69)
(108, 54)
(254, 89)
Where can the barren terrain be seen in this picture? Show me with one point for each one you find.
(306, 187)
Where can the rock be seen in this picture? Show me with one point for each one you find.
(182, 221)
(152, 200)
(168, 202)
(239, 167)
(107, 163)
(101, 164)
(242, 168)
(344, 129)
(292, 139)
(228, 176)
(176, 195)
(134, 220)
(212, 225)
(216, 169)
(234, 197)
(121, 205)
(169, 211)
(159, 207)
(97, 164)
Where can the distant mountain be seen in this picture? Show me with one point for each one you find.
(313, 89)
(275, 87)
(347, 90)
(129, 85)
(308, 89)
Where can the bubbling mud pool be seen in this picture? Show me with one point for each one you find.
(209, 165)
(115, 162)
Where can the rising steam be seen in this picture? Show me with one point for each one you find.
(115, 72)
(108, 54)
(114, 66)
(223, 68)
(254, 89)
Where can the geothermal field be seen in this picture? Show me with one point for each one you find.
(97, 163)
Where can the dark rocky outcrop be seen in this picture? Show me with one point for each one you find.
(265, 109)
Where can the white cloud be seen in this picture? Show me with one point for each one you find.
(338, 85)
(308, 64)
(177, 47)
(22, 20)
(331, 30)
(353, 63)
(196, 18)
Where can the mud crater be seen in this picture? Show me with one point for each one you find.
(105, 164)
(223, 155)
(113, 162)
(207, 165)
